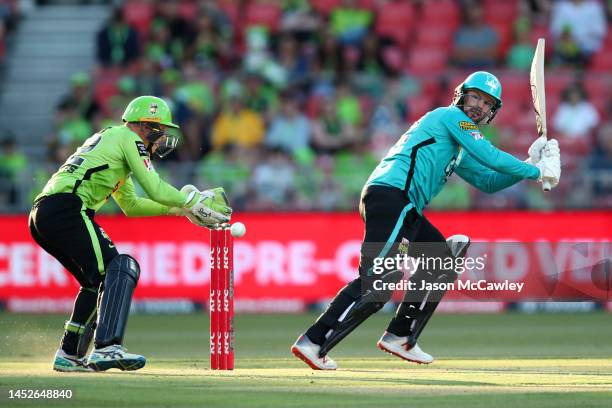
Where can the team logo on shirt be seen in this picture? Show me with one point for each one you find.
(142, 150)
(465, 125)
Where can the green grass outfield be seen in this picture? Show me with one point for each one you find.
(509, 360)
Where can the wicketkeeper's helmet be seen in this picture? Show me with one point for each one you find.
(153, 111)
(149, 109)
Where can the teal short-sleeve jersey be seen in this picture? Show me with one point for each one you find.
(442, 140)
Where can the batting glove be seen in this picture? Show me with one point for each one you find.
(550, 169)
(535, 150)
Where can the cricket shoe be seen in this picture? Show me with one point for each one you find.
(308, 352)
(399, 346)
(115, 356)
(67, 363)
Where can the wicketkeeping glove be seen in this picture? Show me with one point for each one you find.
(207, 208)
(181, 211)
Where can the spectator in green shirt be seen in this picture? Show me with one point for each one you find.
(12, 163)
(350, 23)
(520, 55)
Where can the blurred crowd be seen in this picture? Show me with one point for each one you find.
(8, 20)
(290, 104)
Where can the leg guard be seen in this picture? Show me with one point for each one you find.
(85, 339)
(370, 302)
(418, 313)
(122, 276)
(344, 300)
(458, 245)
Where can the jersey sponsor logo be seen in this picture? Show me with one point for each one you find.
(450, 167)
(465, 125)
(142, 150)
(477, 135)
(148, 164)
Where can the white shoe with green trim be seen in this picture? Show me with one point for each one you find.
(70, 364)
(115, 356)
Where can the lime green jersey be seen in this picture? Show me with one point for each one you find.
(103, 166)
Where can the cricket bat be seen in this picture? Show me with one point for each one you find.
(538, 94)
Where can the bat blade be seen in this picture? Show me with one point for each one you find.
(538, 94)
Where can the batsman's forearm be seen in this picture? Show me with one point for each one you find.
(500, 181)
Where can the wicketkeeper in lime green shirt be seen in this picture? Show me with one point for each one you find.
(62, 222)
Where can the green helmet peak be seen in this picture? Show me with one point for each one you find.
(149, 109)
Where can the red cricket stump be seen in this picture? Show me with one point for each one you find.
(224, 301)
(214, 307)
(221, 300)
(230, 311)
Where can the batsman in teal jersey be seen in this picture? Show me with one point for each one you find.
(62, 222)
(443, 141)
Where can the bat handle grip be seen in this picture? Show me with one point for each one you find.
(546, 185)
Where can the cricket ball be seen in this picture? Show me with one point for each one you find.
(238, 229)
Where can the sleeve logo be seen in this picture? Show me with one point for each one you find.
(148, 164)
(142, 150)
(476, 135)
(465, 125)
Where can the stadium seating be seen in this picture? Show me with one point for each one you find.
(231, 9)
(602, 62)
(505, 35)
(515, 88)
(433, 36)
(500, 11)
(426, 60)
(506, 117)
(542, 31)
(188, 10)
(441, 13)
(418, 106)
(139, 14)
(265, 14)
(556, 82)
(324, 7)
(395, 21)
(105, 86)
